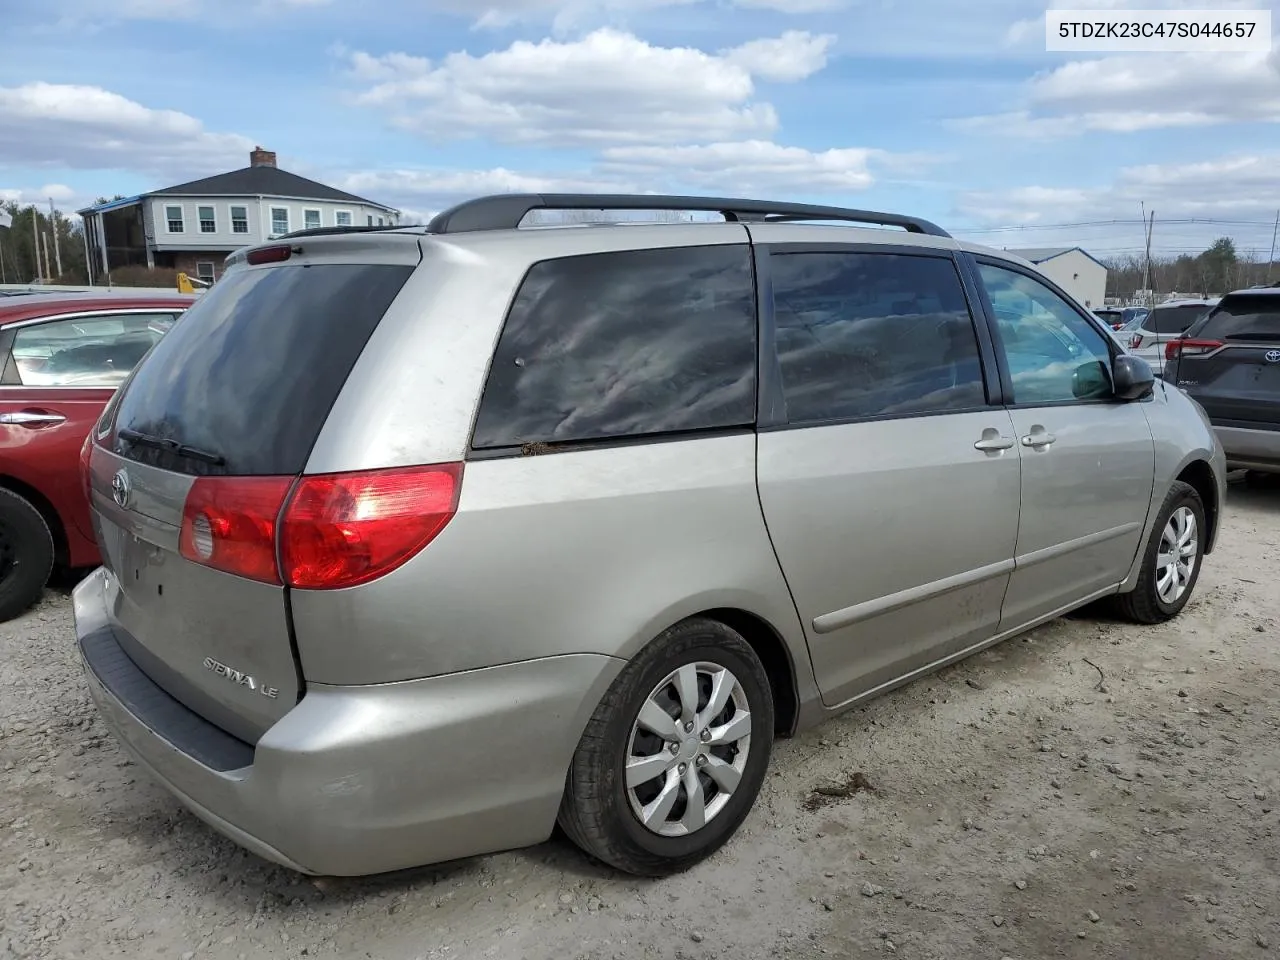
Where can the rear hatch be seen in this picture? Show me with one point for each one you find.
(195, 457)
(1230, 361)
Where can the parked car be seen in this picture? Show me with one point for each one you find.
(61, 358)
(1111, 316)
(418, 540)
(1229, 363)
(1147, 335)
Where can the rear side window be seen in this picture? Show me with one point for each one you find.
(873, 335)
(626, 344)
(86, 351)
(247, 376)
(1243, 317)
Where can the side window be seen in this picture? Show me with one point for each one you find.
(873, 335)
(1054, 354)
(624, 344)
(85, 351)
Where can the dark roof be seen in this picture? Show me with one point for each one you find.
(1041, 254)
(263, 181)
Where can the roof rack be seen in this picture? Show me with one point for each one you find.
(326, 231)
(507, 211)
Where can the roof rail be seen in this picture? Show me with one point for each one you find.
(507, 211)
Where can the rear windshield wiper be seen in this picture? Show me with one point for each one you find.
(173, 446)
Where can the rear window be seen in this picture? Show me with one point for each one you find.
(247, 376)
(1244, 317)
(620, 345)
(1174, 320)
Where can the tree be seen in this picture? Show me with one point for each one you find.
(18, 246)
(1218, 266)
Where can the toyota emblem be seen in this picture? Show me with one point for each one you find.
(120, 488)
(1273, 356)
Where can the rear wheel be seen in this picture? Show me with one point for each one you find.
(674, 755)
(26, 554)
(1171, 561)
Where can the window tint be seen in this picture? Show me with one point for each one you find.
(85, 351)
(1171, 321)
(872, 334)
(623, 345)
(1243, 317)
(250, 372)
(1054, 353)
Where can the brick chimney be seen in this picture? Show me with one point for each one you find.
(262, 158)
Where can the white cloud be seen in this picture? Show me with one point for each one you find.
(793, 56)
(753, 166)
(606, 88)
(1126, 94)
(89, 128)
(420, 190)
(1240, 193)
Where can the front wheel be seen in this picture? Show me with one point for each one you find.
(675, 754)
(1171, 561)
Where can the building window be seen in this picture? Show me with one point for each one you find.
(371, 219)
(279, 221)
(208, 223)
(381, 222)
(342, 218)
(204, 270)
(311, 219)
(173, 216)
(239, 219)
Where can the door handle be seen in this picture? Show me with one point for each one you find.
(1038, 438)
(993, 443)
(32, 418)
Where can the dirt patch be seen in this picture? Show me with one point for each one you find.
(824, 795)
(1027, 814)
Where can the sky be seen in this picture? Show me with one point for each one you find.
(947, 110)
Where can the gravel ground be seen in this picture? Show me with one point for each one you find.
(1023, 804)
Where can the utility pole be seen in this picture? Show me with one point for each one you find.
(35, 237)
(57, 248)
(1271, 259)
(1146, 270)
(44, 238)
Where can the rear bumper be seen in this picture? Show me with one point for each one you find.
(361, 780)
(1252, 449)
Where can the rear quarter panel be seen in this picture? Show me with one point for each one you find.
(47, 458)
(577, 552)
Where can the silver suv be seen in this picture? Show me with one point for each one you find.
(420, 540)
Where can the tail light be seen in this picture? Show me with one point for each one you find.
(1117, 326)
(1189, 348)
(229, 523)
(1135, 341)
(319, 532)
(346, 529)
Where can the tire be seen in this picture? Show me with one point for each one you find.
(602, 814)
(26, 554)
(1146, 603)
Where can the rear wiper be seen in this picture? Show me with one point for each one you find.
(172, 446)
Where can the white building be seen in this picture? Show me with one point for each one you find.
(193, 226)
(1073, 270)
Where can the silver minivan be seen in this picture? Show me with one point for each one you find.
(419, 540)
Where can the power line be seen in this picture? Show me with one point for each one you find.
(1119, 222)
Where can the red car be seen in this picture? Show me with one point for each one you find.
(61, 358)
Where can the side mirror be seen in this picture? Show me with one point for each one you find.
(1131, 377)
